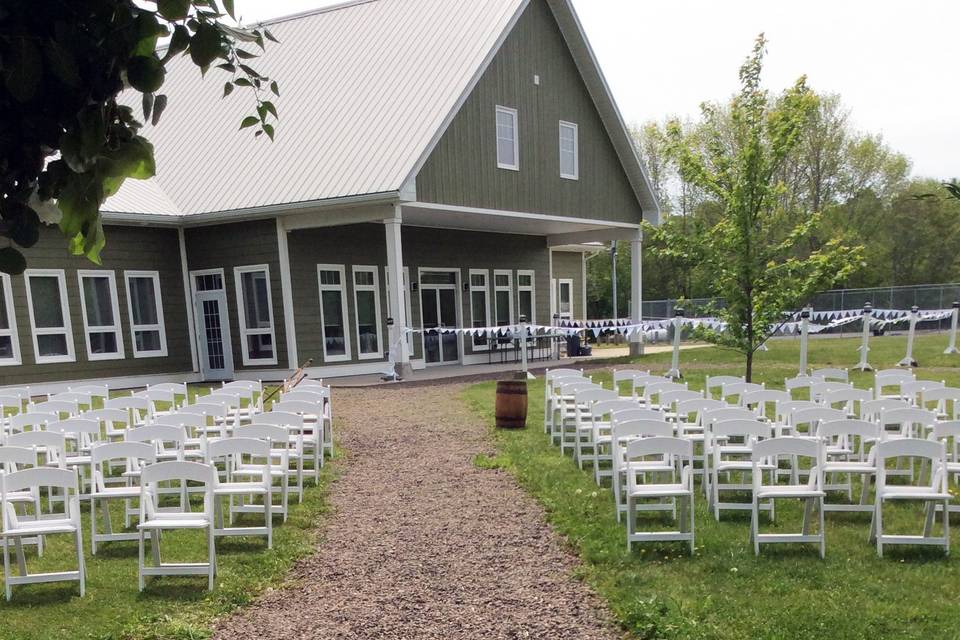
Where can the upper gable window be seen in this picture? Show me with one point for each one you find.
(508, 139)
(569, 151)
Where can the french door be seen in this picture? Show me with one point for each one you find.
(214, 346)
(438, 304)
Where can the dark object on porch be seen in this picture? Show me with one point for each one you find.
(577, 349)
(511, 407)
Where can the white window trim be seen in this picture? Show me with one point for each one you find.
(560, 282)
(532, 288)
(576, 150)
(508, 289)
(513, 113)
(342, 288)
(12, 332)
(64, 309)
(160, 326)
(486, 296)
(115, 303)
(242, 315)
(375, 288)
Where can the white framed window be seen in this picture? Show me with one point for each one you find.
(502, 297)
(508, 139)
(255, 314)
(565, 298)
(49, 315)
(9, 338)
(101, 315)
(569, 151)
(366, 303)
(527, 294)
(480, 305)
(145, 306)
(333, 312)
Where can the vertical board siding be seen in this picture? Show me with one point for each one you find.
(462, 170)
(128, 248)
(568, 264)
(239, 245)
(365, 244)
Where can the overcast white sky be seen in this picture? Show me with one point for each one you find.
(895, 63)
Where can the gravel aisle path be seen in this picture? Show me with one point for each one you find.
(422, 544)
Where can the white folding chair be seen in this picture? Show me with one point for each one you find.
(214, 418)
(679, 486)
(799, 382)
(548, 393)
(948, 432)
(625, 431)
(278, 439)
(80, 434)
(195, 426)
(84, 401)
(251, 395)
(132, 457)
(50, 447)
(933, 493)
(708, 418)
(640, 383)
(737, 390)
(566, 420)
(30, 422)
(99, 391)
(831, 374)
(849, 400)
(115, 422)
(234, 453)
(715, 383)
(911, 390)
(583, 412)
(602, 416)
(230, 401)
(670, 399)
(62, 408)
(15, 458)
(16, 529)
(625, 375)
(758, 401)
(323, 418)
(729, 459)
(154, 519)
(785, 411)
(138, 409)
(162, 402)
(944, 402)
(819, 389)
(653, 390)
(768, 451)
(883, 380)
(309, 434)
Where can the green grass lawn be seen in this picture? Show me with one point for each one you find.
(723, 591)
(170, 607)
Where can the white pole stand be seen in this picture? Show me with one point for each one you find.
(952, 347)
(908, 360)
(524, 334)
(674, 373)
(864, 347)
(804, 332)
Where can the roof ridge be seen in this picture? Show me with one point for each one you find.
(346, 4)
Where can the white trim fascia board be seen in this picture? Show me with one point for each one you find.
(580, 248)
(350, 215)
(286, 293)
(620, 122)
(432, 206)
(594, 235)
(208, 218)
(114, 384)
(188, 300)
(471, 85)
(342, 370)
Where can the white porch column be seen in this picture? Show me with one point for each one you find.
(636, 291)
(396, 293)
(286, 294)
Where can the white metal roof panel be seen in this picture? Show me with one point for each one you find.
(364, 88)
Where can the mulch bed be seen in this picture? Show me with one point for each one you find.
(423, 544)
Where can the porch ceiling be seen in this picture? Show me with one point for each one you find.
(558, 230)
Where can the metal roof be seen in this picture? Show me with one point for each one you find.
(367, 88)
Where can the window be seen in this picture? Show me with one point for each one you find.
(147, 331)
(49, 315)
(101, 315)
(255, 307)
(333, 313)
(503, 297)
(565, 297)
(526, 295)
(479, 305)
(569, 151)
(508, 139)
(9, 339)
(366, 301)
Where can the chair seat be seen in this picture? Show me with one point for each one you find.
(237, 488)
(117, 492)
(20, 496)
(658, 490)
(849, 467)
(34, 527)
(176, 520)
(906, 492)
(789, 491)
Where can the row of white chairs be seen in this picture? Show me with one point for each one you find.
(190, 449)
(599, 426)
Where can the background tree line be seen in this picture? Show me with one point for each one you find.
(862, 188)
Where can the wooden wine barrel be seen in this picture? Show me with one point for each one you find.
(511, 408)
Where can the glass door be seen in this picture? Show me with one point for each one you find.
(438, 303)
(213, 325)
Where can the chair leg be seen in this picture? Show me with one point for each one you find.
(631, 521)
(616, 491)
(6, 568)
(755, 525)
(155, 546)
(211, 558)
(879, 520)
(946, 527)
(81, 567)
(823, 531)
(21, 559)
(690, 509)
(93, 526)
(268, 517)
(140, 560)
(930, 512)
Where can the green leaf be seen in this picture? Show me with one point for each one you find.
(268, 129)
(149, 31)
(158, 108)
(270, 108)
(206, 45)
(228, 6)
(145, 73)
(62, 63)
(275, 88)
(147, 106)
(178, 42)
(242, 82)
(262, 112)
(270, 36)
(227, 89)
(227, 66)
(24, 70)
(249, 121)
(25, 223)
(133, 159)
(245, 55)
(12, 261)
(173, 9)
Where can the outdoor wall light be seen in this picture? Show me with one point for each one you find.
(466, 286)
(523, 318)
(414, 287)
(867, 308)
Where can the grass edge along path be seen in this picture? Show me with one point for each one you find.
(723, 591)
(170, 607)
